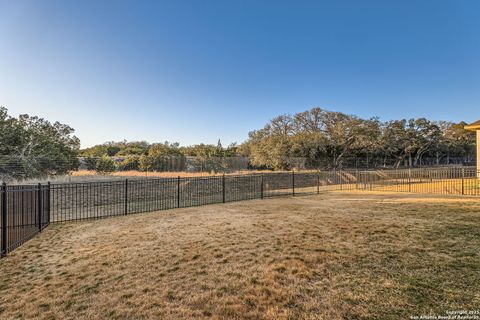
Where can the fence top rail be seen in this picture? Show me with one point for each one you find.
(89, 183)
(25, 188)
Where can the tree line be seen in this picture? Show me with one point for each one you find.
(166, 156)
(333, 139)
(31, 146)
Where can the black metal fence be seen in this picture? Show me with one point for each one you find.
(26, 210)
(78, 201)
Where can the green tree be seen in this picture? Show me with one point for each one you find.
(33, 147)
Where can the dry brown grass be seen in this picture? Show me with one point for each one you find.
(333, 256)
(469, 186)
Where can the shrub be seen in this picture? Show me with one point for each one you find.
(130, 163)
(90, 163)
(105, 165)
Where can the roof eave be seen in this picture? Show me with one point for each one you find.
(473, 127)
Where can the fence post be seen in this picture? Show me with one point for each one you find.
(261, 187)
(48, 201)
(463, 181)
(126, 197)
(318, 182)
(4, 220)
(178, 192)
(223, 188)
(293, 183)
(40, 206)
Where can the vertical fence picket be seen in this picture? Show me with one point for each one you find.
(126, 197)
(178, 192)
(293, 183)
(49, 202)
(340, 180)
(261, 186)
(40, 207)
(356, 179)
(409, 180)
(223, 188)
(4, 220)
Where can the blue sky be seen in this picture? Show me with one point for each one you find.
(197, 71)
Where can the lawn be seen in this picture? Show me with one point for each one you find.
(469, 186)
(338, 255)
